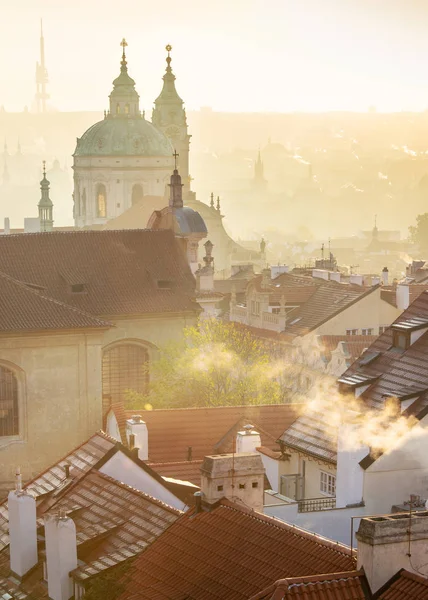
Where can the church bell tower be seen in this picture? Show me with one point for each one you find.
(169, 116)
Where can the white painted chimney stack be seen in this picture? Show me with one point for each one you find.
(61, 555)
(22, 529)
(247, 440)
(402, 296)
(137, 428)
(385, 276)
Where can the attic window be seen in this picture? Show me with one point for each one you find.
(78, 288)
(242, 486)
(219, 488)
(401, 340)
(164, 284)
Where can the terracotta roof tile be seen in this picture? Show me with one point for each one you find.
(186, 470)
(120, 270)
(408, 586)
(229, 553)
(355, 344)
(337, 586)
(25, 308)
(210, 430)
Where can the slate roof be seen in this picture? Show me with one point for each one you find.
(210, 430)
(26, 309)
(354, 344)
(120, 270)
(314, 434)
(337, 586)
(228, 553)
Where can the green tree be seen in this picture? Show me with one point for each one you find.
(419, 232)
(216, 364)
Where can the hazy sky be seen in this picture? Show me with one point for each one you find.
(238, 55)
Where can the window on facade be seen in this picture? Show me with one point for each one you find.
(9, 417)
(101, 201)
(242, 486)
(124, 369)
(255, 484)
(368, 331)
(255, 307)
(126, 109)
(327, 484)
(117, 109)
(137, 193)
(219, 488)
(352, 332)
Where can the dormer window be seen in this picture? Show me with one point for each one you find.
(78, 288)
(401, 340)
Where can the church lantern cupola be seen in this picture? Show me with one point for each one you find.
(175, 187)
(169, 116)
(45, 205)
(124, 99)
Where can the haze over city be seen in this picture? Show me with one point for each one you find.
(214, 300)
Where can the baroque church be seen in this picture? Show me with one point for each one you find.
(124, 158)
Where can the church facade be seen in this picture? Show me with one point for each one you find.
(123, 158)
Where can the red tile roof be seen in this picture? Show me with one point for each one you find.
(120, 270)
(210, 430)
(25, 308)
(389, 294)
(185, 470)
(229, 553)
(407, 586)
(337, 586)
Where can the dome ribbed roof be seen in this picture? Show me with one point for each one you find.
(123, 137)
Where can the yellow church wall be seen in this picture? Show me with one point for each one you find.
(59, 380)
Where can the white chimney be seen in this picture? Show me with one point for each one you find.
(334, 276)
(238, 477)
(137, 428)
(6, 229)
(375, 280)
(402, 296)
(389, 543)
(385, 276)
(22, 529)
(349, 475)
(356, 279)
(320, 274)
(247, 440)
(277, 270)
(61, 555)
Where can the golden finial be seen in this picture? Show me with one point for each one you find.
(124, 44)
(44, 168)
(168, 48)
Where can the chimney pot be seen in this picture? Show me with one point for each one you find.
(198, 501)
(61, 555)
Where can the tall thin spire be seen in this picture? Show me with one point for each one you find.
(41, 76)
(124, 99)
(169, 93)
(45, 204)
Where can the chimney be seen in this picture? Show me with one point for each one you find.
(61, 555)
(385, 276)
(6, 229)
(402, 296)
(356, 279)
(334, 276)
(389, 543)
(238, 477)
(138, 428)
(22, 529)
(349, 475)
(320, 274)
(247, 440)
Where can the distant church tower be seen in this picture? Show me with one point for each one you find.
(45, 205)
(41, 76)
(259, 181)
(169, 116)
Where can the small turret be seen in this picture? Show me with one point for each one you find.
(124, 99)
(175, 187)
(45, 205)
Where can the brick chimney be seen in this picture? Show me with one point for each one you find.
(61, 555)
(22, 529)
(238, 477)
(136, 427)
(247, 440)
(392, 542)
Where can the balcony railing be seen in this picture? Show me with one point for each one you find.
(315, 504)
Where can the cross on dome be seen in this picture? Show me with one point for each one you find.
(175, 155)
(124, 44)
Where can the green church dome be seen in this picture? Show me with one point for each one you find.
(123, 137)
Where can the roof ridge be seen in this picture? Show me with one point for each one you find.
(28, 288)
(312, 579)
(135, 491)
(231, 407)
(274, 522)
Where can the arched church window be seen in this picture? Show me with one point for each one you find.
(83, 209)
(9, 414)
(124, 368)
(137, 193)
(126, 109)
(117, 108)
(101, 200)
